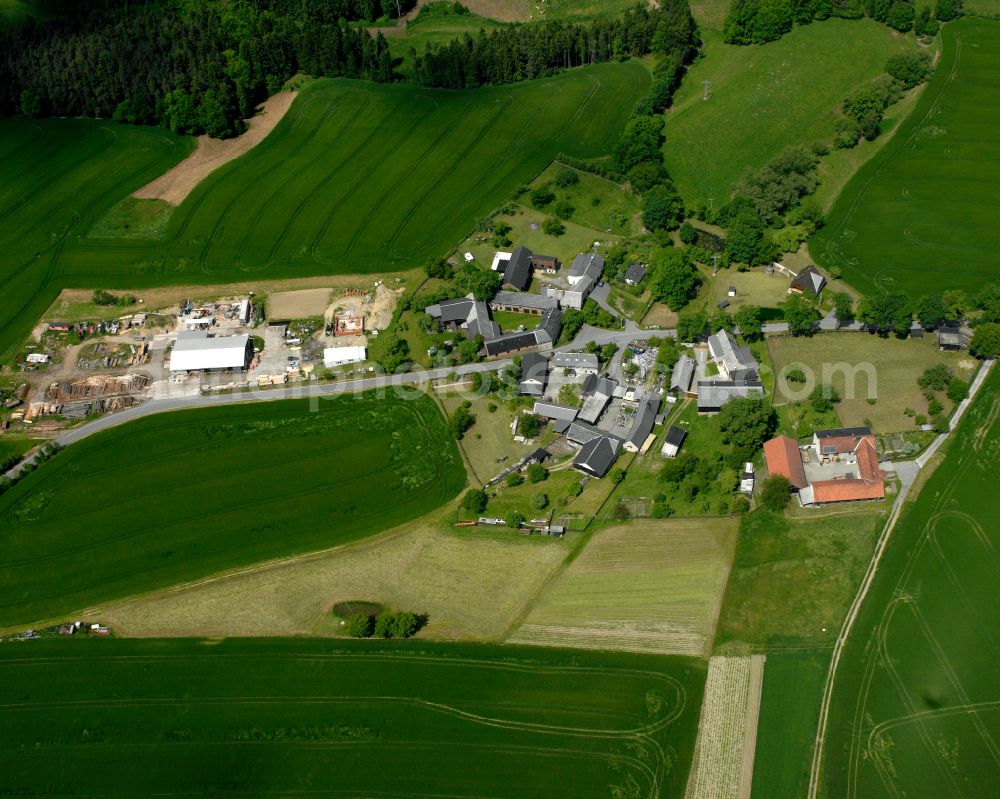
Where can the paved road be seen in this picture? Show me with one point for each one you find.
(294, 391)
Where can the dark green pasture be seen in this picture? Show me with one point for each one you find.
(182, 495)
(923, 214)
(285, 717)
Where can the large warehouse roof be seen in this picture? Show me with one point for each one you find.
(196, 350)
(336, 356)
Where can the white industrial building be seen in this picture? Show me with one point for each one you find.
(338, 356)
(196, 350)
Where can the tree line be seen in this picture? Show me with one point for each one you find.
(193, 68)
(760, 21)
(523, 52)
(203, 68)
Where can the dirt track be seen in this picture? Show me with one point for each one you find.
(179, 182)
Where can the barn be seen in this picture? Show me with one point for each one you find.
(198, 351)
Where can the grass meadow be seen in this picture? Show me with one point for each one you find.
(650, 586)
(921, 215)
(357, 178)
(896, 365)
(786, 725)
(284, 717)
(765, 98)
(915, 707)
(179, 496)
(793, 580)
(472, 584)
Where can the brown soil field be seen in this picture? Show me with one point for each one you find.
(173, 186)
(298, 304)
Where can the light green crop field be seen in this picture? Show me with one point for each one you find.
(289, 717)
(179, 496)
(793, 580)
(765, 98)
(357, 178)
(650, 586)
(786, 723)
(915, 709)
(921, 216)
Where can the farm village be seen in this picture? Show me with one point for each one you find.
(503, 399)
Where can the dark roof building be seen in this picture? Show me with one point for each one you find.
(712, 395)
(464, 313)
(642, 424)
(596, 456)
(734, 362)
(534, 374)
(585, 265)
(950, 339)
(673, 441)
(509, 343)
(552, 410)
(682, 375)
(517, 273)
(522, 302)
(634, 274)
(808, 281)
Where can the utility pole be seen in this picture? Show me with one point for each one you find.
(710, 200)
(715, 265)
(707, 84)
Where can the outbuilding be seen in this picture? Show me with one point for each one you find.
(338, 356)
(197, 350)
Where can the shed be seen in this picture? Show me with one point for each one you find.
(673, 442)
(634, 274)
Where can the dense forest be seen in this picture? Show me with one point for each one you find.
(203, 66)
(190, 66)
(760, 21)
(532, 51)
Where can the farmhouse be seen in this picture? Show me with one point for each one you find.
(673, 441)
(571, 298)
(534, 374)
(596, 456)
(464, 313)
(642, 424)
(517, 266)
(543, 336)
(581, 363)
(585, 265)
(840, 465)
(596, 393)
(682, 375)
(783, 458)
(635, 274)
(522, 302)
(734, 362)
(338, 356)
(712, 395)
(809, 281)
(198, 351)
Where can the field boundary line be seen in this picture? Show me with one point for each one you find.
(838, 649)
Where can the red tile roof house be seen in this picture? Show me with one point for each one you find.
(855, 445)
(782, 455)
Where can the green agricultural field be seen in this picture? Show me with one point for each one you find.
(288, 717)
(793, 579)
(57, 178)
(651, 586)
(765, 98)
(11, 446)
(915, 709)
(786, 724)
(885, 369)
(179, 496)
(357, 178)
(921, 216)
